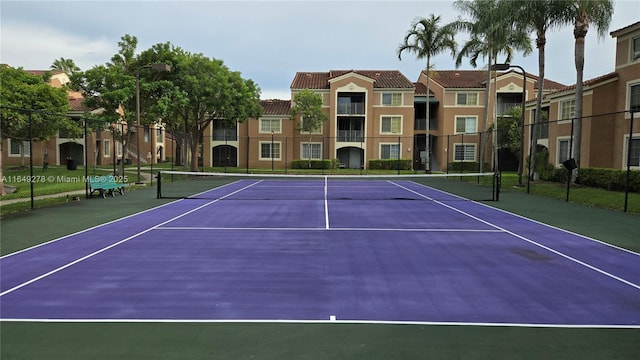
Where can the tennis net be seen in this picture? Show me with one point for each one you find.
(233, 186)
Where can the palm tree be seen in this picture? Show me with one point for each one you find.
(538, 16)
(582, 13)
(65, 65)
(427, 39)
(492, 34)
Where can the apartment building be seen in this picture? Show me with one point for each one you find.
(607, 138)
(102, 147)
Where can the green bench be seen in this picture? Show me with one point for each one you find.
(105, 184)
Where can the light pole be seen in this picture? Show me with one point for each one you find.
(154, 67)
(502, 67)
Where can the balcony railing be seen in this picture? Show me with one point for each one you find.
(350, 135)
(351, 109)
(222, 135)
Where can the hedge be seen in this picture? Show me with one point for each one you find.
(467, 166)
(390, 164)
(315, 164)
(609, 179)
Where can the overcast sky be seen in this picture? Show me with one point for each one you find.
(267, 41)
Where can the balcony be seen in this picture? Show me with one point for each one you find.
(350, 136)
(225, 135)
(351, 109)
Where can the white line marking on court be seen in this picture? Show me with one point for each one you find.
(326, 203)
(559, 253)
(114, 245)
(332, 318)
(208, 228)
(330, 321)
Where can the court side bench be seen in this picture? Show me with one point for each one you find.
(105, 185)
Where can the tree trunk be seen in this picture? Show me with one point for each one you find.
(540, 44)
(427, 153)
(579, 33)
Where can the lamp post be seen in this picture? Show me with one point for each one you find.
(502, 67)
(154, 67)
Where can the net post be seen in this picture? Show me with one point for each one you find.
(498, 180)
(159, 186)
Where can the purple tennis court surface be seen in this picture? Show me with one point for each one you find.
(318, 259)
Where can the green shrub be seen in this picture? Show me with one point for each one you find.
(390, 164)
(467, 166)
(315, 164)
(609, 179)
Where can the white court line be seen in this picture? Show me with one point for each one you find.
(210, 228)
(627, 282)
(115, 244)
(331, 320)
(326, 203)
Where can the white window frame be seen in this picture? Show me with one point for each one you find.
(474, 118)
(562, 118)
(465, 152)
(391, 147)
(276, 145)
(25, 144)
(560, 139)
(466, 94)
(391, 119)
(631, 84)
(316, 131)
(634, 52)
(119, 149)
(636, 137)
(106, 148)
(276, 130)
(303, 150)
(392, 97)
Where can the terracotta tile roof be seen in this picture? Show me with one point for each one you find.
(382, 79)
(589, 82)
(276, 107)
(477, 79)
(421, 89)
(459, 78)
(628, 28)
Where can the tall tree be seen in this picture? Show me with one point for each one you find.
(30, 109)
(492, 34)
(537, 16)
(65, 65)
(426, 39)
(583, 13)
(308, 106)
(205, 90)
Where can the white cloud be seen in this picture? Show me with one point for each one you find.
(36, 47)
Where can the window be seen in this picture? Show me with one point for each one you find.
(270, 125)
(635, 49)
(269, 150)
(563, 150)
(634, 158)
(466, 124)
(106, 148)
(634, 97)
(146, 134)
(317, 130)
(464, 152)
(567, 109)
(391, 125)
(160, 135)
(14, 148)
(467, 99)
(391, 99)
(119, 149)
(389, 151)
(311, 151)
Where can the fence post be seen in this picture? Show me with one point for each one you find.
(628, 179)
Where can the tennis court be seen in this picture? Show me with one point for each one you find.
(325, 251)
